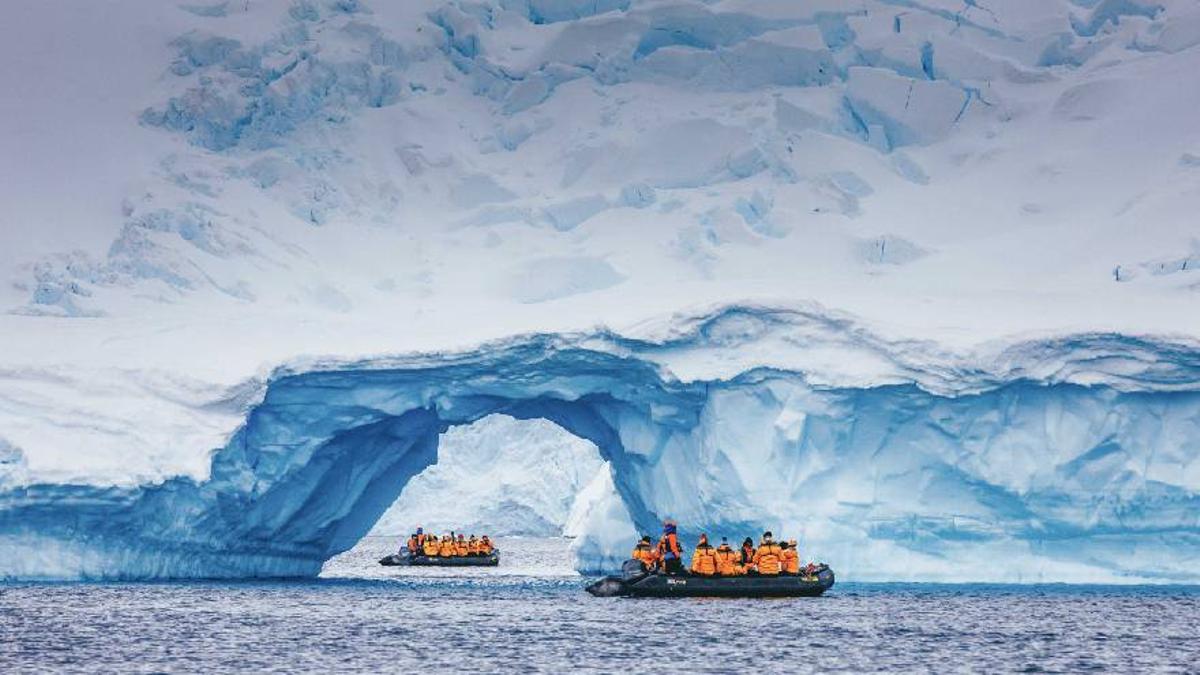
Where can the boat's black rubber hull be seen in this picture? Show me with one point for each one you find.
(402, 559)
(689, 586)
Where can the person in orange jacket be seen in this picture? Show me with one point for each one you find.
(790, 558)
(644, 551)
(431, 547)
(472, 545)
(728, 560)
(447, 549)
(485, 545)
(748, 554)
(704, 558)
(413, 545)
(460, 546)
(669, 550)
(768, 557)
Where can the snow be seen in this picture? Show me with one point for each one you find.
(960, 236)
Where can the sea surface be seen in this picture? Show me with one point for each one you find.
(531, 614)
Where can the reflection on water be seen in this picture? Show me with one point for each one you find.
(534, 616)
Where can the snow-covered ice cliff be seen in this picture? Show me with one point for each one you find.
(1068, 459)
(913, 279)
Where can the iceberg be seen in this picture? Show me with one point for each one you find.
(263, 262)
(1077, 457)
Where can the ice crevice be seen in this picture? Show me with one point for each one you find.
(1071, 458)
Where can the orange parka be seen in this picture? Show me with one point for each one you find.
(431, 546)
(768, 558)
(472, 546)
(790, 560)
(460, 547)
(727, 561)
(747, 554)
(447, 549)
(644, 552)
(704, 560)
(414, 544)
(485, 546)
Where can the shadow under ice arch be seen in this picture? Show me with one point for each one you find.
(1079, 456)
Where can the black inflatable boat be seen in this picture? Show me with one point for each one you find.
(636, 582)
(404, 557)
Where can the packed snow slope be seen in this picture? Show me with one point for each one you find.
(500, 477)
(979, 217)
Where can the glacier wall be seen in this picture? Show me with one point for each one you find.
(1072, 458)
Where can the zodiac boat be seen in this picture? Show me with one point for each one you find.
(635, 581)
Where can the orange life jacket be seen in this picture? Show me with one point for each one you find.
(485, 546)
(447, 549)
(747, 555)
(668, 546)
(431, 546)
(790, 560)
(704, 560)
(473, 546)
(727, 561)
(767, 558)
(644, 553)
(413, 544)
(460, 547)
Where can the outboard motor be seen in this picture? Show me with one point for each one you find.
(825, 576)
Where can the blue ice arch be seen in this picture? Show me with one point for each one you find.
(1073, 454)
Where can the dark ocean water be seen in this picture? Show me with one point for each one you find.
(536, 617)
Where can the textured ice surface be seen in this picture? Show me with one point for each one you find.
(1074, 459)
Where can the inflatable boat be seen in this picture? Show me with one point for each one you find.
(405, 557)
(635, 582)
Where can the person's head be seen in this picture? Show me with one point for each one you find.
(783, 545)
(646, 539)
(461, 537)
(668, 527)
(767, 535)
(703, 539)
(748, 542)
(792, 543)
(420, 531)
(485, 537)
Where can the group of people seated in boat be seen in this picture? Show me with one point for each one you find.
(448, 545)
(768, 558)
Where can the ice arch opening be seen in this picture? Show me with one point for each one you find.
(499, 476)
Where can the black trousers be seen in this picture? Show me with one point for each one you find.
(673, 566)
